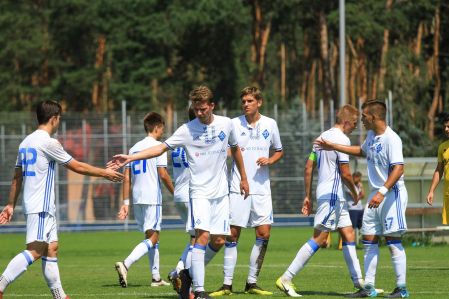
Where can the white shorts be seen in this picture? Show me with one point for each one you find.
(389, 217)
(255, 210)
(181, 196)
(211, 215)
(41, 227)
(148, 217)
(331, 215)
(184, 213)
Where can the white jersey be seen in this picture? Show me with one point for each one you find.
(329, 179)
(146, 186)
(38, 154)
(382, 152)
(254, 144)
(206, 151)
(350, 200)
(181, 175)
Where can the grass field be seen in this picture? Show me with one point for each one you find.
(86, 262)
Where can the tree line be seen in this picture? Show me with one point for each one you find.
(91, 55)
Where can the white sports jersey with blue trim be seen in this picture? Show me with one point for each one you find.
(329, 179)
(382, 152)
(254, 144)
(38, 154)
(181, 175)
(146, 186)
(206, 151)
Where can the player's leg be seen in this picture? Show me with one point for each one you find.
(50, 270)
(153, 258)
(393, 211)
(34, 249)
(445, 213)
(348, 244)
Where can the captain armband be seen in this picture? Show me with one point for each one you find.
(313, 156)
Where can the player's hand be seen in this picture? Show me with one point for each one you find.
(123, 213)
(244, 188)
(113, 176)
(6, 214)
(263, 161)
(324, 144)
(376, 200)
(306, 206)
(430, 198)
(118, 161)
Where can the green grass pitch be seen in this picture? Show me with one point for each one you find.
(86, 262)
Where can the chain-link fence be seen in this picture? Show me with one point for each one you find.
(95, 138)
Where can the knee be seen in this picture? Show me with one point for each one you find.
(217, 243)
(264, 235)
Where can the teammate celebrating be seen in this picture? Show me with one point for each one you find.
(35, 170)
(332, 212)
(256, 134)
(385, 215)
(205, 140)
(142, 176)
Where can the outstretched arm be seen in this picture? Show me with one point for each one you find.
(237, 156)
(87, 169)
(122, 159)
(437, 175)
(354, 150)
(14, 191)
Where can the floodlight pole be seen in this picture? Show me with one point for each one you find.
(342, 53)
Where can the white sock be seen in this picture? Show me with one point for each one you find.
(197, 270)
(153, 257)
(370, 261)
(352, 261)
(182, 259)
(303, 256)
(138, 251)
(188, 262)
(50, 270)
(256, 259)
(210, 254)
(230, 260)
(399, 261)
(15, 268)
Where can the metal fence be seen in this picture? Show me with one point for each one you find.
(94, 138)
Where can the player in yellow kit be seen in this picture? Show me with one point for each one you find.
(442, 167)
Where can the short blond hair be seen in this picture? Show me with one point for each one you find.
(201, 93)
(347, 112)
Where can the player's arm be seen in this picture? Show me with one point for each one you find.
(362, 191)
(346, 177)
(396, 172)
(353, 150)
(264, 161)
(308, 177)
(238, 159)
(14, 191)
(437, 175)
(124, 209)
(165, 177)
(87, 169)
(122, 159)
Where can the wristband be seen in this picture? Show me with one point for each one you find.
(126, 202)
(383, 190)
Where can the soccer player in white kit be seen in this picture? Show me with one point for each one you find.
(387, 201)
(332, 212)
(205, 140)
(142, 180)
(256, 134)
(35, 170)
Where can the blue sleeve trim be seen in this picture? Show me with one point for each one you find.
(233, 145)
(64, 163)
(171, 148)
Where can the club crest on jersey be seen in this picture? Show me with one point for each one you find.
(243, 134)
(265, 134)
(196, 137)
(222, 135)
(378, 147)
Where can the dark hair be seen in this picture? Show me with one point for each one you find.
(201, 93)
(444, 117)
(376, 108)
(253, 91)
(46, 110)
(191, 113)
(357, 174)
(152, 120)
